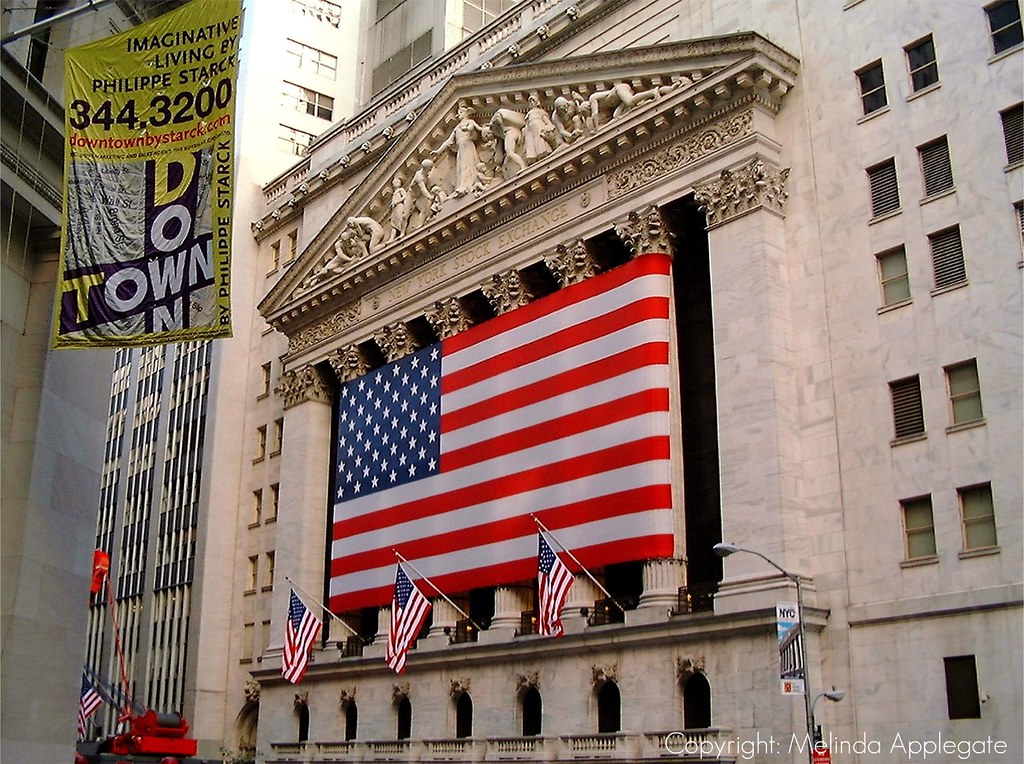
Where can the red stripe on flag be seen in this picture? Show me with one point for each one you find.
(613, 505)
(652, 264)
(641, 310)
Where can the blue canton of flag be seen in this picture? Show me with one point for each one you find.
(388, 426)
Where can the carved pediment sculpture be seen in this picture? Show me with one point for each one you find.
(492, 142)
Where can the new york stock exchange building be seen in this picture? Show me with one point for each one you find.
(623, 273)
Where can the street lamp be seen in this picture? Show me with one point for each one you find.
(724, 550)
(834, 694)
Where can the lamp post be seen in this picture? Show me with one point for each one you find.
(724, 550)
(834, 695)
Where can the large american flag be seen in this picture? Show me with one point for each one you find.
(300, 632)
(409, 609)
(88, 701)
(557, 409)
(553, 582)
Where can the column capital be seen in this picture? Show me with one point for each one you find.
(506, 291)
(304, 384)
(644, 231)
(744, 189)
(571, 263)
(448, 318)
(348, 363)
(396, 341)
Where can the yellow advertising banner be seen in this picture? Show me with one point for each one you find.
(148, 182)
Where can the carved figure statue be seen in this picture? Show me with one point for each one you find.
(399, 208)
(539, 132)
(508, 125)
(420, 197)
(609, 104)
(569, 124)
(462, 141)
(368, 234)
(485, 179)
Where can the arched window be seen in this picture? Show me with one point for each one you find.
(531, 712)
(464, 716)
(246, 725)
(351, 720)
(404, 719)
(697, 702)
(303, 722)
(609, 708)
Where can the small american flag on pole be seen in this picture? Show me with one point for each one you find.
(553, 582)
(88, 702)
(409, 610)
(300, 633)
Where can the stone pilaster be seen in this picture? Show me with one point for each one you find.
(760, 449)
(305, 478)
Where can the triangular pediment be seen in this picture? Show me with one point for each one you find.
(495, 142)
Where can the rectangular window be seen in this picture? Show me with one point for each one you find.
(293, 245)
(962, 696)
(964, 392)
(476, 14)
(253, 573)
(872, 87)
(885, 192)
(257, 507)
(311, 59)
(265, 379)
(394, 67)
(907, 411)
(1004, 22)
(948, 258)
(308, 101)
(294, 141)
(275, 494)
(268, 571)
(275, 256)
(892, 270)
(261, 441)
(918, 527)
(924, 70)
(936, 169)
(248, 632)
(321, 10)
(278, 437)
(978, 514)
(1013, 134)
(1018, 213)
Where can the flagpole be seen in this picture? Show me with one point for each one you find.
(576, 560)
(434, 587)
(321, 605)
(129, 703)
